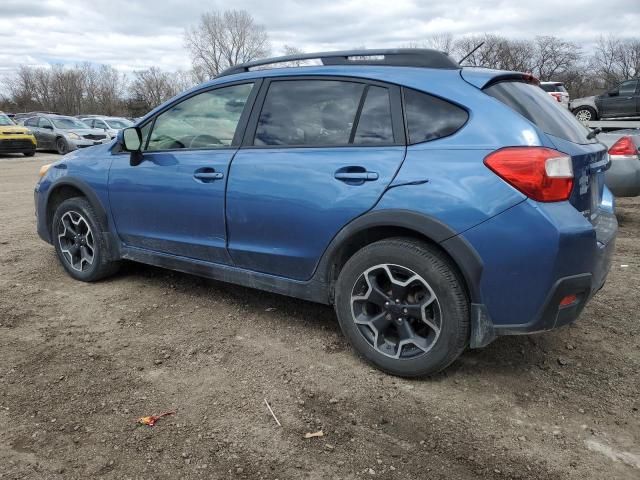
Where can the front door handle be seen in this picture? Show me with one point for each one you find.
(356, 176)
(207, 175)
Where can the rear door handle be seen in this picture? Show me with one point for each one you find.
(357, 176)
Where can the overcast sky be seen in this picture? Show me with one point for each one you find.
(136, 34)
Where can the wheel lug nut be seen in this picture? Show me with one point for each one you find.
(397, 300)
(405, 310)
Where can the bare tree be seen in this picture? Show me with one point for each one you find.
(151, 87)
(223, 39)
(553, 56)
(616, 59)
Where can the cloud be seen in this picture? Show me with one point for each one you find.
(136, 34)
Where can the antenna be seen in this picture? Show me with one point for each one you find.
(470, 53)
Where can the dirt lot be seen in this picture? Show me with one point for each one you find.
(79, 363)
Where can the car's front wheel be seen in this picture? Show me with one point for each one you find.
(62, 146)
(402, 305)
(79, 243)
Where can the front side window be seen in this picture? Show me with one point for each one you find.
(43, 123)
(206, 120)
(628, 87)
(308, 113)
(67, 123)
(430, 118)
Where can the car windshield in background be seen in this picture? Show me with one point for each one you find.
(118, 123)
(540, 109)
(552, 87)
(67, 122)
(5, 121)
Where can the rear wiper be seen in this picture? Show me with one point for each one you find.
(593, 133)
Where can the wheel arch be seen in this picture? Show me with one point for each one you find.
(69, 188)
(378, 225)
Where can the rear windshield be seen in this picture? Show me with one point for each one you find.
(540, 109)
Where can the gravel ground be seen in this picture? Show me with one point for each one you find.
(79, 363)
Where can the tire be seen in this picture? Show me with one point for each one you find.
(61, 146)
(432, 272)
(29, 154)
(87, 260)
(585, 114)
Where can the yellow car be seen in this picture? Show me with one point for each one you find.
(16, 138)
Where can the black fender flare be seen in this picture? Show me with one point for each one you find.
(87, 191)
(463, 254)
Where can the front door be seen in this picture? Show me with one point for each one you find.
(320, 153)
(623, 103)
(173, 202)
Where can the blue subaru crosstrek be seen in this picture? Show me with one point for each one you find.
(435, 207)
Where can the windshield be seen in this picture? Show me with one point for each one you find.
(540, 109)
(118, 123)
(5, 121)
(66, 123)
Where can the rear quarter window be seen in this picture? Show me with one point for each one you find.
(540, 109)
(430, 118)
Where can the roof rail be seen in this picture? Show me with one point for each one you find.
(398, 57)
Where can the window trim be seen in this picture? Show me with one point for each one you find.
(394, 98)
(240, 127)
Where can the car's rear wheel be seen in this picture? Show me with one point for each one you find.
(29, 154)
(61, 146)
(401, 304)
(79, 243)
(585, 114)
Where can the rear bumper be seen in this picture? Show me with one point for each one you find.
(623, 177)
(534, 256)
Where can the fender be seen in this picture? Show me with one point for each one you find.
(113, 245)
(464, 256)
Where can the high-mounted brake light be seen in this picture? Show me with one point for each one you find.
(624, 148)
(543, 174)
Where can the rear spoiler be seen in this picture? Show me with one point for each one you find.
(485, 77)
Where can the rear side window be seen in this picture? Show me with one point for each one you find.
(540, 109)
(628, 87)
(374, 125)
(429, 118)
(308, 113)
(31, 122)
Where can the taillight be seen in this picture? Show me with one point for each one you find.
(557, 96)
(624, 147)
(540, 173)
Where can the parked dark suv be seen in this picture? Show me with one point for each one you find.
(622, 101)
(434, 206)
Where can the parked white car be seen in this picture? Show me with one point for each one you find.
(110, 125)
(557, 91)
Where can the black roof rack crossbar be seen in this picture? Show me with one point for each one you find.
(398, 57)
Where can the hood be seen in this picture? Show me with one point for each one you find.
(13, 129)
(85, 131)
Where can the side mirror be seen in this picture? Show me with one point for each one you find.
(613, 93)
(132, 142)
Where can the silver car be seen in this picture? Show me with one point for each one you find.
(623, 177)
(110, 125)
(64, 134)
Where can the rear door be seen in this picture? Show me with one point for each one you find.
(318, 153)
(621, 102)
